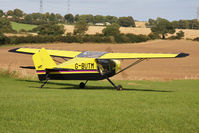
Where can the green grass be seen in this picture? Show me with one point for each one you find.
(144, 107)
(18, 26)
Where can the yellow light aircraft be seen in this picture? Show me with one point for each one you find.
(88, 65)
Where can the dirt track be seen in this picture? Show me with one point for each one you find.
(156, 69)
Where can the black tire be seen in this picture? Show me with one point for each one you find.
(119, 88)
(81, 85)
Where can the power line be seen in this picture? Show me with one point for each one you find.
(197, 13)
(41, 6)
(68, 10)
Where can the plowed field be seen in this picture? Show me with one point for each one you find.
(154, 69)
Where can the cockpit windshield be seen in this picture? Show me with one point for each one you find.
(91, 54)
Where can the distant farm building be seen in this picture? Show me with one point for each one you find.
(99, 24)
(102, 24)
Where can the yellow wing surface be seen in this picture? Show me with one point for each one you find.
(99, 55)
(140, 55)
(56, 53)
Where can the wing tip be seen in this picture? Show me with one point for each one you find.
(13, 50)
(182, 55)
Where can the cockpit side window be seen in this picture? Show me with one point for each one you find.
(105, 66)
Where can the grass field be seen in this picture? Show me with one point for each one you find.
(19, 26)
(144, 106)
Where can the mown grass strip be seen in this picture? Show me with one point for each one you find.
(144, 106)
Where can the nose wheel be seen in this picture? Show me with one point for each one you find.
(82, 85)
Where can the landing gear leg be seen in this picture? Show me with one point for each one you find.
(44, 84)
(82, 84)
(119, 87)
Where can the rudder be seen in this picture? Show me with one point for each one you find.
(42, 61)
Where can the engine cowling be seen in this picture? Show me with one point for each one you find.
(117, 65)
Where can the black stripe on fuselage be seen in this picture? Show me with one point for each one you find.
(79, 76)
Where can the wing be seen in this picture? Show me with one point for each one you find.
(55, 53)
(140, 55)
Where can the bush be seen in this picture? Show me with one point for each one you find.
(111, 30)
(97, 39)
(4, 39)
(179, 35)
(196, 39)
(80, 28)
(69, 38)
(50, 29)
(137, 38)
(122, 38)
(131, 38)
(154, 36)
(22, 31)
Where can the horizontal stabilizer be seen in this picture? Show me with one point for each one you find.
(27, 67)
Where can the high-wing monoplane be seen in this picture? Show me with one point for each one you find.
(87, 65)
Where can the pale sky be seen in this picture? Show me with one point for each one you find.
(139, 9)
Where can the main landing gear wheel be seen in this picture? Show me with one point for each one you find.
(82, 85)
(119, 88)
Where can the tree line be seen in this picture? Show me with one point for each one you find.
(19, 16)
(181, 24)
(55, 33)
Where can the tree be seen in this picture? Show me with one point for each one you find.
(183, 24)
(111, 19)
(88, 18)
(10, 13)
(77, 18)
(99, 19)
(150, 23)
(111, 30)
(175, 24)
(193, 24)
(1, 13)
(69, 18)
(80, 28)
(163, 27)
(5, 26)
(59, 17)
(126, 21)
(35, 16)
(197, 13)
(18, 12)
(52, 17)
(50, 29)
(28, 19)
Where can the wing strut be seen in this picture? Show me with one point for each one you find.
(134, 63)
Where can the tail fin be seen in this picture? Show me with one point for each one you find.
(43, 61)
